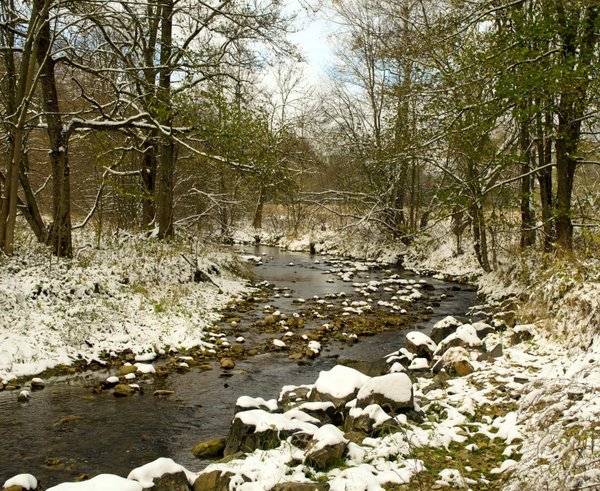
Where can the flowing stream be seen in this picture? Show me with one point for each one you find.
(65, 430)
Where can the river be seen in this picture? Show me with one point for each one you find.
(65, 430)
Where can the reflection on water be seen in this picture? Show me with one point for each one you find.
(65, 430)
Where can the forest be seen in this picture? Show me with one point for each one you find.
(150, 115)
(365, 257)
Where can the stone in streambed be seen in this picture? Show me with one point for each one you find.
(37, 384)
(127, 369)
(123, 390)
(238, 349)
(210, 448)
(227, 363)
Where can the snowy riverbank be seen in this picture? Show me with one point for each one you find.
(132, 293)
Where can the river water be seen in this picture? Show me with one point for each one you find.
(66, 430)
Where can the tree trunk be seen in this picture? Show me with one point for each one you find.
(258, 214)
(527, 215)
(60, 232)
(544, 151)
(19, 93)
(167, 145)
(30, 207)
(149, 167)
(165, 189)
(480, 237)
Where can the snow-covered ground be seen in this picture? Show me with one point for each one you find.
(132, 293)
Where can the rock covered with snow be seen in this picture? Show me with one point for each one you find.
(483, 329)
(393, 392)
(368, 419)
(326, 448)
(338, 385)
(257, 428)
(163, 474)
(245, 403)
(420, 344)
(465, 336)
(444, 328)
(455, 361)
(25, 482)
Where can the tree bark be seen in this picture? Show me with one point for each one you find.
(149, 167)
(544, 153)
(167, 145)
(527, 215)
(60, 231)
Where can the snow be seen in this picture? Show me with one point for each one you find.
(26, 481)
(264, 421)
(373, 411)
(102, 482)
(420, 339)
(256, 402)
(145, 368)
(279, 343)
(147, 473)
(326, 436)
(340, 381)
(393, 386)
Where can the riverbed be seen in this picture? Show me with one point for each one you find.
(66, 431)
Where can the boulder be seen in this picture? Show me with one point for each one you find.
(214, 481)
(326, 449)
(210, 448)
(338, 385)
(37, 384)
(171, 482)
(260, 429)
(455, 361)
(24, 396)
(21, 482)
(444, 328)
(368, 419)
(162, 474)
(393, 392)
(420, 344)
(483, 329)
(465, 337)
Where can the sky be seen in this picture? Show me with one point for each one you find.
(313, 40)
